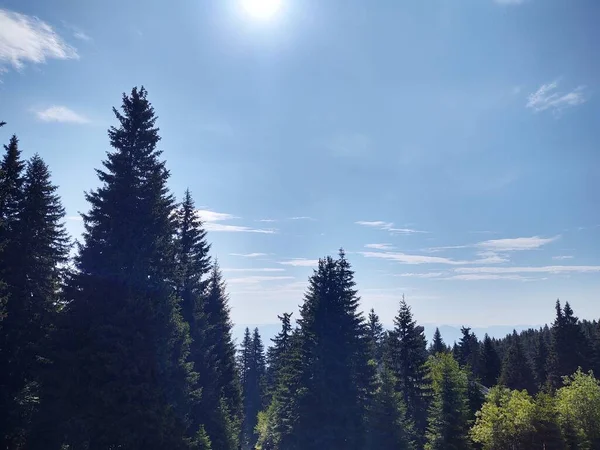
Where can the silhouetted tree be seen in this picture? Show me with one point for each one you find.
(516, 370)
(490, 366)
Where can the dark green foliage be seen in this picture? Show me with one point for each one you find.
(38, 244)
(122, 374)
(448, 423)
(516, 370)
(406, 354)
(490, 365)
(438, 345)
(388, 428)
(334, 371)
(252, 373)
(540, 360)
(276, 353)
(468, 351)
(375, 335)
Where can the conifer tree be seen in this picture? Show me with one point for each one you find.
(516, 370)
(540, 360)
(121, 355)
(334, 362)
(222, 403)
(468, 350)
(39, 244)
(277, 352)
(387, 426)
(490, 365)
(375, 336)
(438, 345)
(406, 354)
(252, 371)
(448, 423)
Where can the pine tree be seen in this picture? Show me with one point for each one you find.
(277, 352)
(468, 350)
(516, 370)
(252, 371)
(540, 360)
(375, 336)
(222, 403)
(121, 354)
(334, 362)
(388, 428)
(438, 345)
(40, 246)
(406, 354)
(490, 365)
(448, 423)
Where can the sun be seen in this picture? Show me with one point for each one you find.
(261, 9)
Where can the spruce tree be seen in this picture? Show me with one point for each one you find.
(516, 370)
(334, 370)
(121, 353)
(468, 350)
(375, 336)
(387, 426)
(406, 354)
(222, 402)
(252, 371)
(490, 364)
(276, 353)
(540, 360)
(448, 423)
(40, 247)
(438, 345)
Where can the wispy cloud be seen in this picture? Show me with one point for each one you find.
(26, 39)
(253, 269)
(562, 257)
(547, 97)
(81, 35)
(212, 222)
(445, 247)
(249, 255)
(421, 275)
(60, 114)
(380, 246)
(302, 218)
(411, 259)
(387, 226)
(300, 262)
(529, 269)
(482, 277)
(257, 279)
(515, 244)
(267, 220)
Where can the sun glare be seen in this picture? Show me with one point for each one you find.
(261, 9)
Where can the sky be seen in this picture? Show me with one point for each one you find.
(451, 147)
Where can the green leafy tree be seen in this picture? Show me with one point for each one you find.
(388, 428)
(122, 377)
(438, 345)
(490, 365)
(516, 370)
(406, 354)
(578, 406)
(448, 421)
(334, 369)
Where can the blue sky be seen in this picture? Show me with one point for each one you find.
(451, 147)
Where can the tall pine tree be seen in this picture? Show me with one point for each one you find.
(490, 364)
(122, 350)
(375, 335)
(437, 345)
(516, 369)
(252, 371)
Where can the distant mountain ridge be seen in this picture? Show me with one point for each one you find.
(450, 333)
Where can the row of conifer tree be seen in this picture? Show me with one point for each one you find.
(123, 340)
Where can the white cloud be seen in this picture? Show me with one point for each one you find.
(548, 98)
(411, 259)
(27, 39)
(515, 244)
(562, 257)
(387, 226)
(300, 262)
(480, 277)
(251, 269)
(489, 257)
(446, 247)
(302, 218)
(249, 255)
(267, 220)
(529, 269)
(380, 246)
(257, 279)
(81, 35)
(60, 114)
(421, 275)
(212, 221)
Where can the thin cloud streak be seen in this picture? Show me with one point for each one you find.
(61, 114)
(251, 269)
(380, 246)
(548, 98)
(300, 262)
(388, 226)
(249, 255)
(529, 269)
(257, 279)
(212, 221)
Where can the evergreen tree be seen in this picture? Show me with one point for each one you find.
(277, 352)
(388, 428)
(448, 423)
(122, 378)
(252, 371)
(516, 370)
(406, 355)
(334, 362)
(40, 247)
(375, 336)
(223, 401)
(540, 360)
(468, 350)
(438, 345)
(490, 365)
